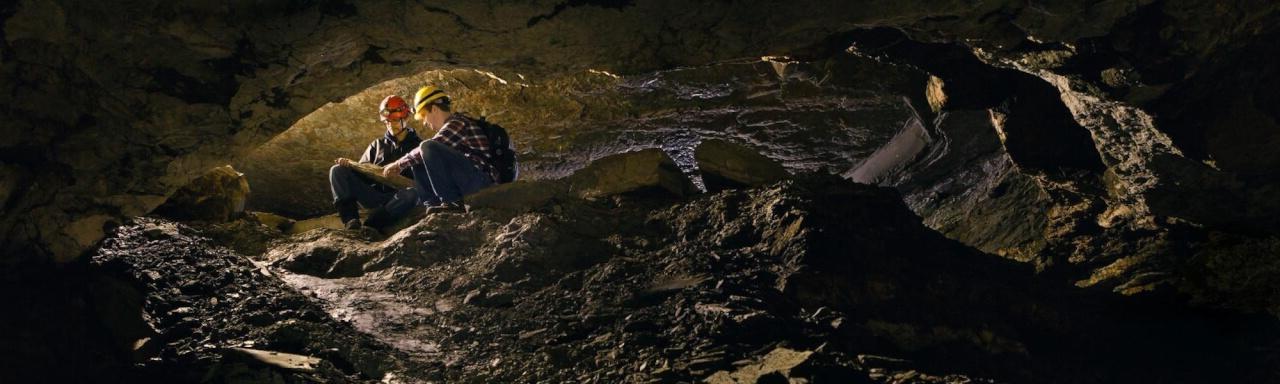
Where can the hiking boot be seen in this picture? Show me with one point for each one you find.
(353, 224)
(378, 218)
(446, 207)
(369, 233)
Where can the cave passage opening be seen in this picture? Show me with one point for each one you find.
(815, 115)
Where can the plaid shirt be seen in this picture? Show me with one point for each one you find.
(464, 136)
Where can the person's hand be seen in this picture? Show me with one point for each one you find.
(390, 169)
(342, 161)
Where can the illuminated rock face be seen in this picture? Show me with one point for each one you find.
(217, 196)
(823, 114)
(111, 108)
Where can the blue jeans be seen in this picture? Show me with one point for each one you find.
(447, 173)
(347, 184)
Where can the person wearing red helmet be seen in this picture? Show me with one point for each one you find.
(350, 187)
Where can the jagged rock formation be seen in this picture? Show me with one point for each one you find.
(815, 278)
(1119, 146)
(146, 106)
(201, 303)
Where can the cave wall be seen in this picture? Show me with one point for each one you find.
(150, 94)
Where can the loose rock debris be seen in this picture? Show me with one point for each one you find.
(814, 279)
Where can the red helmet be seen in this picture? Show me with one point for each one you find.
(394, 108)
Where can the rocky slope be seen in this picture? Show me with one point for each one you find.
(814, 278)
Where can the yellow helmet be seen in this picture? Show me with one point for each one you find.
(427, 95)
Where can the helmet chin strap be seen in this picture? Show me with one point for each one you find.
(401, 124)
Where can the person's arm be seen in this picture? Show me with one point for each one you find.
(448, 135)
(409, 159)
(404, 162)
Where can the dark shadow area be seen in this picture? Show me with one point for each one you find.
(68, 324)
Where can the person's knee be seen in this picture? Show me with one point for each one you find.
(432, 149)
(336, 172)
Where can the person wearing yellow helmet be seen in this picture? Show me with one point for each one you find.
(455, 162)
(349, 187)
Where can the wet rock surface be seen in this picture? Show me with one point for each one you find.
(814, 278)
(203, 304)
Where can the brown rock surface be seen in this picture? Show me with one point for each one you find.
(217, 196)
(650, 168)
(811, 278)
(724, 163)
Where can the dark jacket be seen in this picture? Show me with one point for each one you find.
(384, 150)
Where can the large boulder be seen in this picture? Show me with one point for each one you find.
(650, 168)
(723, 163)
(218, 196)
